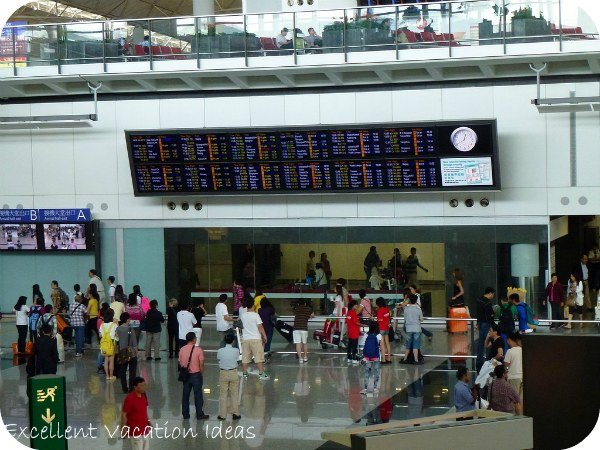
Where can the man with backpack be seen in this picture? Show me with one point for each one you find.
(527, 322)
(59, 298)
(505, 315)
(48, 318)
(485, 318)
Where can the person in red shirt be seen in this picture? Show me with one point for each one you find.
(134, 416)
(353, 327)
(383, 319)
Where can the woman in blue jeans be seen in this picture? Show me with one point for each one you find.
(76, 311)
(126, 339)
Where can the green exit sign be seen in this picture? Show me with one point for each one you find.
(47, 412)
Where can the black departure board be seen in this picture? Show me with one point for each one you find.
(385, 157)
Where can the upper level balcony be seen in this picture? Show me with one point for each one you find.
(435, 41)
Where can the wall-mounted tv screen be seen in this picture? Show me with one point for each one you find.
(444, 156)
(65, 236)
(19, 237)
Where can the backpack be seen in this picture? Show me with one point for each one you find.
(145, 304)
(34, 316)
(531, 318)
(506, 320)
(371, 348)
(64, 299)
(107, 345)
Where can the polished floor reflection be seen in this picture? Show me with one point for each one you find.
(290, 410)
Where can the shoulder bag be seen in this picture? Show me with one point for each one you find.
(125, 354)
(184, 372)
(571, 297)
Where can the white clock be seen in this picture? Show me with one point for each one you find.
(464, 139)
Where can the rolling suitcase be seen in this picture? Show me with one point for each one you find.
(458, 326)
(285, 329)
(459, 348)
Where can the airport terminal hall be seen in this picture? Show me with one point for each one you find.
(299, 224)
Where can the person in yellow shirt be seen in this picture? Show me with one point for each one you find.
(92, 313)
(258, 296)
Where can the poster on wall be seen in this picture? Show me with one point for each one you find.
(466, 172)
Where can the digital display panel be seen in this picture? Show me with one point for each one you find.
(386, 157)
(65, 236)
(19, 237)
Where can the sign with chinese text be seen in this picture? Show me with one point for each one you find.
(75, 215)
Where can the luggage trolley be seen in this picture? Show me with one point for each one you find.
(332, 333)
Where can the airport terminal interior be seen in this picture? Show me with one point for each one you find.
(311, 151)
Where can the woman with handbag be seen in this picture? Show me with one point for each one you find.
(136, 314)
(126, 357)
(574, 303)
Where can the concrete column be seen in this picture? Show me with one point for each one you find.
(203, 7)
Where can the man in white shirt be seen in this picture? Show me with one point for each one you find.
(224, 321)
(514, 361)
(282, 41)
(95, 279)
(253, 338)
(111, 288)
(186, 321)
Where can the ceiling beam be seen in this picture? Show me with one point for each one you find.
(435, 73)
(193, 83)
(384, 75)
(594, 64)
(487, 70)
(335, 78)
(286, 80)
(146, 84)
(57, 88)
(239, 81)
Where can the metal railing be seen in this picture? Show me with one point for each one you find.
(444, 26)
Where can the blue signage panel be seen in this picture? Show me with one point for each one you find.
(77, 215)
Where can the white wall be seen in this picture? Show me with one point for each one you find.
(69, 168)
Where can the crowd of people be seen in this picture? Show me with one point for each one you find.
(117, 322)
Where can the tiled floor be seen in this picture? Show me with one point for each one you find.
(289, 411)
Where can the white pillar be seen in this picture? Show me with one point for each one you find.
(203, 7)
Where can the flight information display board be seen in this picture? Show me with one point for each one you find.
(385, 157)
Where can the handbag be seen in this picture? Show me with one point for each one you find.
(125, 354)
(61, 323)
(571, 300)
(184, 372)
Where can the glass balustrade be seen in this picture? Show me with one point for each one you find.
(402, 30)
(476, 24)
